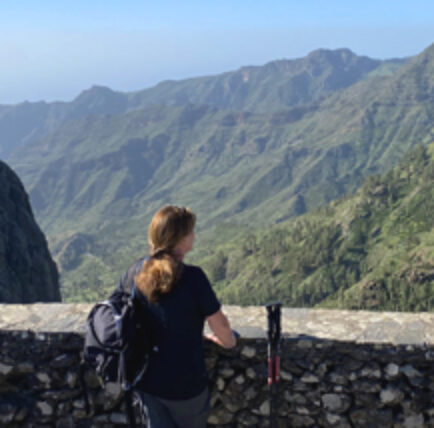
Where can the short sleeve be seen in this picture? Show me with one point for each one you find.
(207, 298)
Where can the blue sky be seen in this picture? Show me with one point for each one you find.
(53, 50)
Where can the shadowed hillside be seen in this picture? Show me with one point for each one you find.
(27, 272)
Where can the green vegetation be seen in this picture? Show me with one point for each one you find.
(111, 160)
(374, 250)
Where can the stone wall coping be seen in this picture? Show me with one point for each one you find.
(397, 328)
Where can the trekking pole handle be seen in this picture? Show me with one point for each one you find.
(274, 326)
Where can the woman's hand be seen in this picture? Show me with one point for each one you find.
(222, 333)
(213, 338)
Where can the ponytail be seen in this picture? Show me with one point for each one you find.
(158, 276)
(161, 271)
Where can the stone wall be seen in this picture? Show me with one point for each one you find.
(327, 379)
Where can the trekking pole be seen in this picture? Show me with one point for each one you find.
(273, 314)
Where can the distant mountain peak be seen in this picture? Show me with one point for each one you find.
(100, 100)
(430, 48)
(331, 53)
(95, 90)
(340, 57)
(428, 53)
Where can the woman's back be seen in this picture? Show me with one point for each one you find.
(177, 370)
(180, 298)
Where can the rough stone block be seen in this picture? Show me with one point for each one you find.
(250, 373)
(219, 416)
(294, 398)
(5, 369)
(248, 352)
(309, 378)
(286, 376)
(414, 421)
(300, 421)
(305, 343)
(45, 408)
(264, 408)
(220, 384)
(226, 372)
(371, 371)
(240, 380)
(410, 371)
(367, 418)
(43, 377)
(391, 371)
(247, 419)
(336, 421)
(391, 396)
(336, 403)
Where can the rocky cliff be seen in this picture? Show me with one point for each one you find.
(27, 271)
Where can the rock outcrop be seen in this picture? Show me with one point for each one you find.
(27, 271)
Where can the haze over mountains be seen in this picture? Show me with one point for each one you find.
(251, 147)
(276, 85)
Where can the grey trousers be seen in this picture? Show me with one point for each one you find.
(191, 413)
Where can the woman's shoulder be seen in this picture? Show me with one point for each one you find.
(194, 273)
(195, 276)
(199, 284)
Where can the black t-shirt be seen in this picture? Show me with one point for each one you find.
(177, 371)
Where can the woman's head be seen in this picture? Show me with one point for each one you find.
(170, 236)
(171, 230)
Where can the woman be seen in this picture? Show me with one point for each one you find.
(180, 299)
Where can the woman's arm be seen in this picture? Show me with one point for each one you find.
(222, 333)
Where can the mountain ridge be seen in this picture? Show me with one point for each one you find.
(267, 92)
(113, 171)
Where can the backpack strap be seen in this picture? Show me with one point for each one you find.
(127, 282)
(139, 266)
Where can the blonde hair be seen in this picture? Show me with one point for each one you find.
(160, 272)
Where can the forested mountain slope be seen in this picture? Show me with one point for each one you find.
(374, 250)
(95, 181)
(253, 166)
